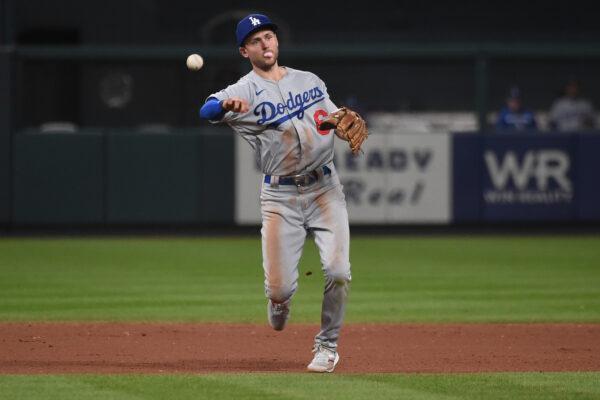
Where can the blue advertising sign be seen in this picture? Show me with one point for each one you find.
(466, 177)
(528, 177)
(588, 176)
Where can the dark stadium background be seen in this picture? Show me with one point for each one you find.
(67, 60)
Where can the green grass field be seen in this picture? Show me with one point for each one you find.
(395, 279)
(462, 279)
(532, 386)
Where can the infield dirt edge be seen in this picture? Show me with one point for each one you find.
(107, 347)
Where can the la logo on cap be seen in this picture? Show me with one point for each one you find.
(255, 21)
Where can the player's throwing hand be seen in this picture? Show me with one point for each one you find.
(236, 105)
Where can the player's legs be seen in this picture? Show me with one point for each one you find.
(283, 237)
(329, 223)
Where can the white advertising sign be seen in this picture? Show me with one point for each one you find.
(247, 184)
(400, 178)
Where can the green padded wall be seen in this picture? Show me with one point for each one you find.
(150, 178)
(183, 177)
(5, 130)
(124, 178)
(217, 177)
(58, 178)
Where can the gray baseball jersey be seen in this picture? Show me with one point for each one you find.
(281, 127)
(281, 123)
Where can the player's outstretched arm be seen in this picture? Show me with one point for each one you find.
(214, 110)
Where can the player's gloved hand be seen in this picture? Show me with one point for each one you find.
(236, 105)
(348, 126)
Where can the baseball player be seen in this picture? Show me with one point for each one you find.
(514, 116)
(287, 118)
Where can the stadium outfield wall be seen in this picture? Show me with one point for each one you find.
(457, 178)
(112, 178)
(526, 177)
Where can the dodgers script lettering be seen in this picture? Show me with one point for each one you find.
(295, 103)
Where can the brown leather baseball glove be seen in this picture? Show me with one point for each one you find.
(348, 126)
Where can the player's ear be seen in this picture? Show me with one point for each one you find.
(243, 52)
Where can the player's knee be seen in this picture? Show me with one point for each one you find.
(338, 271)
(338, 276)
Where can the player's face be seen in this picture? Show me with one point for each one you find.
(262, 49)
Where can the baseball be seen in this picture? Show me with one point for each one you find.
(194, 62)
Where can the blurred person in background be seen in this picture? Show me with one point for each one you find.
(514, 117)
(571, 112)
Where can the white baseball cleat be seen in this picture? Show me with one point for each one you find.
(325, 359)
(278, 314)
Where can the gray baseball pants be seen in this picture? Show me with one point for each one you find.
(289, 213)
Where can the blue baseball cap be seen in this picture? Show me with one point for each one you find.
(250, 24)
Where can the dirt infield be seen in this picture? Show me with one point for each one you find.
(203, 348)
